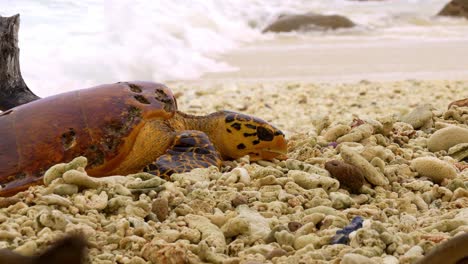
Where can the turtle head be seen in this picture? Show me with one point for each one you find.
(241, 135)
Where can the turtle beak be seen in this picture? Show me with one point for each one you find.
(277, 150)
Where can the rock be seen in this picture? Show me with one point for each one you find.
(158, 251)
(433, 168)
(293, 226)
(348, 175)
(420, 117)
(455, 8)
(335, 132)
(352, 258)
(459, 151)
(357, 134)
(287, 23)
(239, 200)
(371, 173)
(459, 103)
(160, 207)
(277, 252)
(447, 137)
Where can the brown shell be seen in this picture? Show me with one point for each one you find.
(100, 123)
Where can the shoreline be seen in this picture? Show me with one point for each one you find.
(346, 59)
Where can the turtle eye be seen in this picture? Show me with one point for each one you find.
(264, 134)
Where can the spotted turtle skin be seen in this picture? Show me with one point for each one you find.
(100, 123)
(191, 149)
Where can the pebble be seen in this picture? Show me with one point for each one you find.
(435, 169)
(447, 137)
(348, 175)
(160, 207)
(293, 226)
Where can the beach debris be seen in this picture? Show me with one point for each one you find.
(13, 89)
(342, 235)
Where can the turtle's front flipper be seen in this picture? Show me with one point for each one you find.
(191, 149)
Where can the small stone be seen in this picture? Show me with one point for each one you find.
(447, 137)
(238, 200)
(271, 236)
(434, 168)
(293, 226)
(277, 252)
(160, 207)
(348, 175)
(420, 117)
(352, 258)
(459, 151)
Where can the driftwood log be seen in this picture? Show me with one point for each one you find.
(13, 89)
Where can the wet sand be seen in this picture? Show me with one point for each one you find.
(347, 59)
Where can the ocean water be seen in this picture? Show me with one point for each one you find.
(69, 44)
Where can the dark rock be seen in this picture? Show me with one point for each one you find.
(293, 226)
(287, 23)
(238, 200)
(160, 207)
(348, 175)
(456, 8)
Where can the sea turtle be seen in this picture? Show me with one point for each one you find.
(124, 128)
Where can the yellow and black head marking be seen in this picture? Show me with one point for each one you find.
(248, 135)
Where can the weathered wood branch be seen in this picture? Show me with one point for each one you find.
(13, 89)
